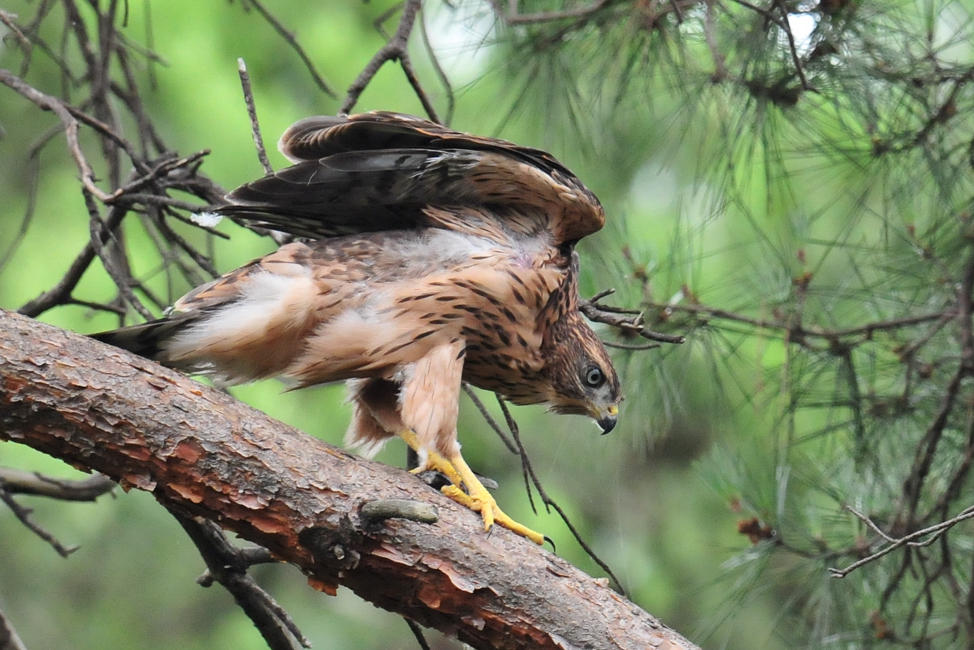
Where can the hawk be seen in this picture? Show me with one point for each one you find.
(427, 257)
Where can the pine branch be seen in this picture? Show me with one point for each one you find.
(203, 454)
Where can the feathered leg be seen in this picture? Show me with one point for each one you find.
(376, 419)
(429, 405)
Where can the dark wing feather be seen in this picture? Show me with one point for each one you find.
(341, 194)
(320, 136)
(147, 339)
(379, 171)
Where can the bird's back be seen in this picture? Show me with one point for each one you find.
(360, 306)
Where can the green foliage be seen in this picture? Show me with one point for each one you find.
(789, 185)
(822, 263)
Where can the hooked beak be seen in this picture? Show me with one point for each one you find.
(606, 419)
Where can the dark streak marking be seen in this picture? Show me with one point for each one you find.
(487, 296)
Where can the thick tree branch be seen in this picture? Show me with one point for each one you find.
(202, 453)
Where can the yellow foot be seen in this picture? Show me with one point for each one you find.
(478, 499)
(433, 460)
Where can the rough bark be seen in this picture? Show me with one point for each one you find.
(204, 453)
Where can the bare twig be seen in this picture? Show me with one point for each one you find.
(24, 516)
(935, 531)
(130, 198)
(162, 168)
(451, 100)
(97, 306)
(551, 503)
(946, 110)
(252, 113)
(49, 103)
(631, 347)
(292, 41)
(630, 321)
(785, 24)
(764, 12)
(417, 631)
(20, 482)
(33, 176)
(530, 478)
(547, 16)
(709, 30)
(62, 290)
(492, 423)
(120, 277)
(397, 49)
(10, 20)
(796, 334)
(228, 565)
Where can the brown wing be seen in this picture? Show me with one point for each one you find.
(383, 171)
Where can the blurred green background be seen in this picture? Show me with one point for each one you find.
(659, 499)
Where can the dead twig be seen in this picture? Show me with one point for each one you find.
(397, 49)
(15, 481)
(514, 18)
(451, 100)
(24, 516)
(9, 639)
(49, 103)
(293, 42)
(628, 320)
(228, 565)
(936, 531)
(551, 503)
(792, 47)
(252, 113)
(61, 292)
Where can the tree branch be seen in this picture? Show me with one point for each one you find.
(227, 564)
(15, 481)
(68, 121)
(203, 454)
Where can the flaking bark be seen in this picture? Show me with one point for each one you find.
(204, 453)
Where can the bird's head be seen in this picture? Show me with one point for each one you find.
(582, 378)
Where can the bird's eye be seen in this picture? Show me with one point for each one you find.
(594, 377)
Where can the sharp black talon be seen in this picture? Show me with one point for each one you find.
(552, 542)
(434, 479)
(412, 459)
